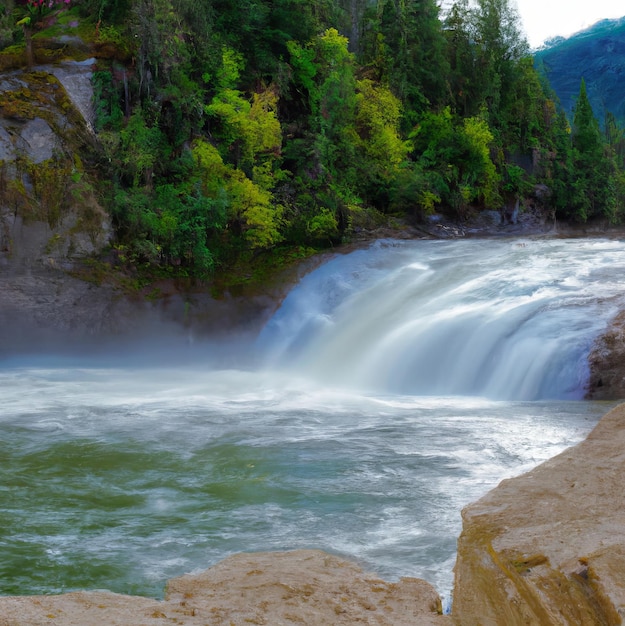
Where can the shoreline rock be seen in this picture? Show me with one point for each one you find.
(299, 587)
(607, 363)
(548, 547)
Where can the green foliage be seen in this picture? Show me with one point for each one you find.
(594, 187)
(112, 11)
(323, 226)
(303, 67)
(382, 153)
(481, 176)
(140, 149)
(333, 107)
(455, 158)
(106, 97)
(241, 126)
(251, 209)
(249, 131)
(171, 226)
(406, 43)
(6, 23)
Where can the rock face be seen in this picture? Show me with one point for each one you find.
(48, 206)
(301, 587)
(548, 548)
(607, 363)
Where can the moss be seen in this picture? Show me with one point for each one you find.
(13, 57)
(19, 104)
(70, 23)
(526, 564)
(48, 200)
(39, 98)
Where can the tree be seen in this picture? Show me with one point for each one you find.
(485, 47)
(500, 47)
(252, 210)
(382, 151)
(140, 149)
(333, 107)
(412, 48)
(594, 168)
(461, 53)
(454, 156)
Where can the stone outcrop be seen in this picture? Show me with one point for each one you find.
(48, 208)
(607, 363)
(300, 587)
(548, 548)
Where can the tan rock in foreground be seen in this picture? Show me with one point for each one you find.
(548, 547)
(301, 587)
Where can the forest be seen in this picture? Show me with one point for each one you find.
(225, 129)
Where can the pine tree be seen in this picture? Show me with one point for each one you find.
(594, 167)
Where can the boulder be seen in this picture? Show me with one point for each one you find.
(300, 587)
(607, 362)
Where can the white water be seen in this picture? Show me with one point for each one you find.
(504, 320)
(394, 386)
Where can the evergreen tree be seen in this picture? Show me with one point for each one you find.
(461, 51)
(411, 43)
(594, 168)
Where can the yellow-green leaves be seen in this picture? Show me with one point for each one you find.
(378, 114)
(480, 139)
(250, 205)
(246, 166)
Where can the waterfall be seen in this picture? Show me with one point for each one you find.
(395, 385)
(510, 320)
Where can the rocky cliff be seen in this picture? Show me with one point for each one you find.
(48, 209)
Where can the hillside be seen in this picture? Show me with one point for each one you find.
(597, 55)
(225, 134)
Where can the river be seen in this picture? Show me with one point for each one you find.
(394, 386)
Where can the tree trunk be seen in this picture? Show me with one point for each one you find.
(28, 38)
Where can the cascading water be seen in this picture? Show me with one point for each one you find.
(506, 320)
(395, 385)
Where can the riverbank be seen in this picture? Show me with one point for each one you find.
(300, 587)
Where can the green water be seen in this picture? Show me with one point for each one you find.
(140, 489)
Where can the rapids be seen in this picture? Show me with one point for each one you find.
(395, 385)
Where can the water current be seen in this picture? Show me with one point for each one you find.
(394, 386)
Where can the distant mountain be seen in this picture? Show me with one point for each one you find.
(596, 54)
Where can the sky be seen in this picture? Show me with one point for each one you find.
(543, 19)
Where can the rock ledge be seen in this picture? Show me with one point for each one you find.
(300, 587)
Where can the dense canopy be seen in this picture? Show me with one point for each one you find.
(226, 128)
